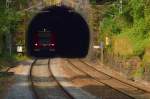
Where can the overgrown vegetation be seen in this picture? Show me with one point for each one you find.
(11, 14)
(127, 24)
(95, 2)
(132, 23)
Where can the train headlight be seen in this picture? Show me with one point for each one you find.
(36, 44)
(52, 44)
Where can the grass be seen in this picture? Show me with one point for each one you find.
(10, 61)
(6, 61)
(139, 72)
(20, 57)
(122, 46)
(146, 57)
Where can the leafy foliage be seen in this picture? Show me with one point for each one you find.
(9, 18)
(133, 22)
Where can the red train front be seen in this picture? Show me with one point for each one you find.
(44, 40)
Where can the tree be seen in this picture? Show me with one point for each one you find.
(9, 18)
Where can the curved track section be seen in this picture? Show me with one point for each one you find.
(43, 83)
(31, 80)
(58, 83)
(62, 77)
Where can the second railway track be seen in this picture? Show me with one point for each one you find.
(43, 83)
(109, 81)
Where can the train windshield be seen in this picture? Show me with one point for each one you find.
(44, 37)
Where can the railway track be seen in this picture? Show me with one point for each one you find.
(113, 77)
(122, 87)
(44, 84)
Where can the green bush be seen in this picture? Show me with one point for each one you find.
(133, 23)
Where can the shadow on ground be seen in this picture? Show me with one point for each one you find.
(97, 90)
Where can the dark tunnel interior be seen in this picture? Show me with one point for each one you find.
(69, 34)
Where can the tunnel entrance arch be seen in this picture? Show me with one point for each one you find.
(69, 27)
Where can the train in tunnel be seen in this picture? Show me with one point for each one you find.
(57, 31)
(44, 40)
